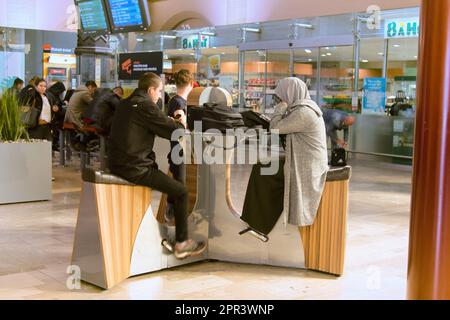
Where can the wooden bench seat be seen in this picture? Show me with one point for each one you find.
(111, 212)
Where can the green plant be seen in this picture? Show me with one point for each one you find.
(11, 126)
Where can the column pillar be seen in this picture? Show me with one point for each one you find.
(429, 251)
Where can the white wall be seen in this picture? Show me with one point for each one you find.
(50, 15)
(224, 12)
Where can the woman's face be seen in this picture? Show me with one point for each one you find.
(42, 87)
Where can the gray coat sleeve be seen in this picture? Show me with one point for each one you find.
(297, 121)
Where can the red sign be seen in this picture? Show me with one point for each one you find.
(61, 72)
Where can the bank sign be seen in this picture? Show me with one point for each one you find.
(401, 28)
(191, 42)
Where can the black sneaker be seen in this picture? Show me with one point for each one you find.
(190, 248)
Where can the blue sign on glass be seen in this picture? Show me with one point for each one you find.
(126, 13)
(374, 100)
(92, 15)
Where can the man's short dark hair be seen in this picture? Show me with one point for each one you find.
(149, 80)
(18, 82)
(91, 84)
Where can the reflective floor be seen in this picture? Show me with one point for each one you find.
(36, 244)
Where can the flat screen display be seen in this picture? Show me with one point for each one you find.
(128, 15)
(92, 15)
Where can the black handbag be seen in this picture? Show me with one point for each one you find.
(339, 157)
(29, 116)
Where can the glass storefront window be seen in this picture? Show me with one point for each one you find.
(220, 67)
(336, 77)
(305, 68)
(255, 69)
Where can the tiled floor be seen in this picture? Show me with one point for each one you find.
(36, 245)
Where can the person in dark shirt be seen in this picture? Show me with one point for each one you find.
(337, 120)
(178, 109)
(136, 123)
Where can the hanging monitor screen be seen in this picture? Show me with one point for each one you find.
(128, 15)
(92, 15)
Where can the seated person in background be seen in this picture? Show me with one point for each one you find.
(297, 188)
(79, 102)
(337, 120)
(178, 109)
(137, 122)
(100, 112)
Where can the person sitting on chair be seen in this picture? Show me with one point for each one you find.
(136, 123)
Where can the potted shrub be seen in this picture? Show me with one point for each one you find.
(25, 165)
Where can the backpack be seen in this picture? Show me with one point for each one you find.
(214, 116)
(339, 157)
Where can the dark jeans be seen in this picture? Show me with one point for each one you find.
(41, 132)
(179, 174)
(157, 180)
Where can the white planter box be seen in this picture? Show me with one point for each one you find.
(25, 172)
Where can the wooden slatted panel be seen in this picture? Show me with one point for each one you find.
(121, 211)
(325, 241)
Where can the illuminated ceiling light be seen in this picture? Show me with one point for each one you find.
(364, 61)
(139, 40)
(328, 54)
(305, 25)
(324, 55)
(310, 60)
(255, 30)
(327, 48)
(415, 57)
(380, 53)
(396, 46)
(308, 51)
(167, 36)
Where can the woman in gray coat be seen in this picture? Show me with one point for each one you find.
(296, 190)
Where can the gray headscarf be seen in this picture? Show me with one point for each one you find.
(295, 93)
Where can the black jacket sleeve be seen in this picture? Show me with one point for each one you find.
(151, 117)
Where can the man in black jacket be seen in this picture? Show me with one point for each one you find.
(137, 122)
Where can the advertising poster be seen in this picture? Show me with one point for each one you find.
(133, 65)
(374, 101)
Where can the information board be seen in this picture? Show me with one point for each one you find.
(126, 13)
(92, 15)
